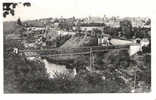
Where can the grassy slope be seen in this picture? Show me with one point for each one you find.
(79, 41)
(74, 42)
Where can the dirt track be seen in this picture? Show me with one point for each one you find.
(120, 42)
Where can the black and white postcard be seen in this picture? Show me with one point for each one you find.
(77, 47)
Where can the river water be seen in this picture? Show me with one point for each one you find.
(54, 68)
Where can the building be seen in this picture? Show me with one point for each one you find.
(103, 39)
(94, 20)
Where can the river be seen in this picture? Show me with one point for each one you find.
(53, 68)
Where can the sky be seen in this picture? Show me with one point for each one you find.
(83, 8)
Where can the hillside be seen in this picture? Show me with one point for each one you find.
(80, 41)
(34, 23)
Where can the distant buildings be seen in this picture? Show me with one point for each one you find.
(94, 20)
(115, 21)
(88, 28)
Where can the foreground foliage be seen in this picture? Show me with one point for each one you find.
(23, 76)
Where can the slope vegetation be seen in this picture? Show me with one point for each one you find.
(80, 41)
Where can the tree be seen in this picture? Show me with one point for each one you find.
(126, 28)
(9, 8)
(96, 31)
(148, 22)
(19, 21)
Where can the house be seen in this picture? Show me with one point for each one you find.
(90, 28)
(103, 39)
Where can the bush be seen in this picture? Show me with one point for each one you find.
(20, 74)
(126, 28)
